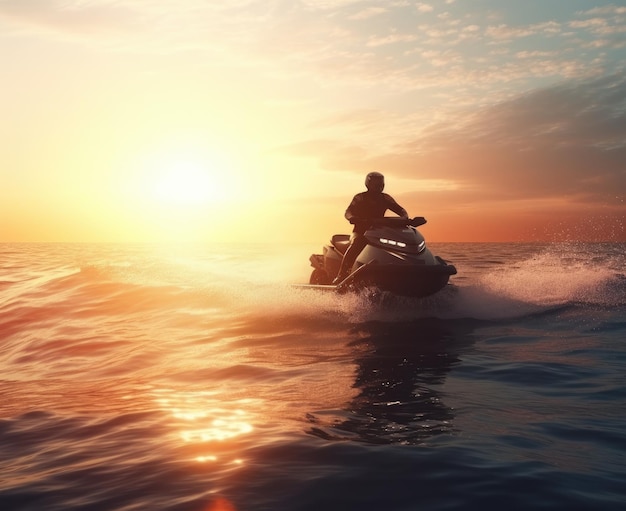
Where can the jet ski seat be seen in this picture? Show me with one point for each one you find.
(340, 242)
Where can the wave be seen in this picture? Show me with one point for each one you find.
(254, 289)
(524, 283)
(555, 277)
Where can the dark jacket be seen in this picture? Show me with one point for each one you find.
(368, 205)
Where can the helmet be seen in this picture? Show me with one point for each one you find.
(375, 181)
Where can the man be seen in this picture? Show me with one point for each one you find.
(364, 207)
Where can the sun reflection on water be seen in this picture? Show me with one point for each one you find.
(229, 424)
(207, 423)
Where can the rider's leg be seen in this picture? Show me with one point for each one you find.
(357, 243)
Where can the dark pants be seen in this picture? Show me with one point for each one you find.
(357, 243)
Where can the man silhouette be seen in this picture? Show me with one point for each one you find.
(365, 207)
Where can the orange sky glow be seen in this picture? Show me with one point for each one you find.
(258, 121)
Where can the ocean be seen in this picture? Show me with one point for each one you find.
(198, 378)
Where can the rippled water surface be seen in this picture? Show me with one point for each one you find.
(198, 378)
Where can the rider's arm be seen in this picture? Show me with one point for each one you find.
(350, 214)
(396, 208)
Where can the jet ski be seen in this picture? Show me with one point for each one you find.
(395, 260)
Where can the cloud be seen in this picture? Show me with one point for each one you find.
(567, 140)
(76, 17)
(336, 41)
(321, 42)
(368, 12)
(562, 143)
(605, 10)
(422, 7)
(390, 39)
(503, 31)
(158, 26)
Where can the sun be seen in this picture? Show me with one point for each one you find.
(186, 182)
(190, 179)
(187, 192)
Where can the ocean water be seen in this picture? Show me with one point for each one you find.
(153, 377)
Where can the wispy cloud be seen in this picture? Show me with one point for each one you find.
(83, 18)
(564, 141)
(322, 35)
(422, 7)
(567, 141)
(368, 12)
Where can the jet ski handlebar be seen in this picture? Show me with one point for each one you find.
(392, 221)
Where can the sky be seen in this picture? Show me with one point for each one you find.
(257, 120)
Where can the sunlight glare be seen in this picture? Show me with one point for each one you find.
(185, 182)
(189, 192)
(188, 181)
(205, 420)
(189, 177)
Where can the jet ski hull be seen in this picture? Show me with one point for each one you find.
(395, 259)
(414, 281)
